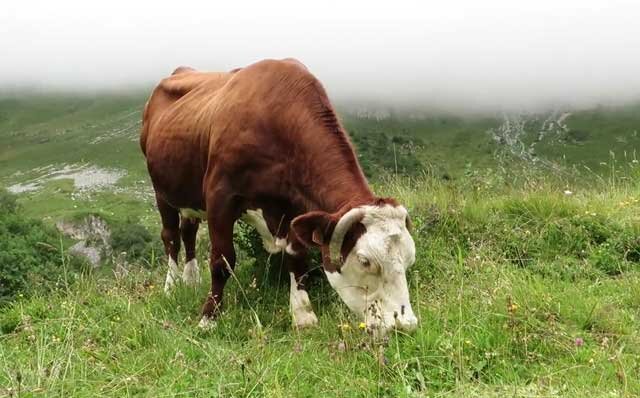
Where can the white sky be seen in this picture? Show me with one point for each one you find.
(483, 53)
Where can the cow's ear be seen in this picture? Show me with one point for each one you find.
(313, 228)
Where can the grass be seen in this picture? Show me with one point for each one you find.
(558, 318)
(521, 289)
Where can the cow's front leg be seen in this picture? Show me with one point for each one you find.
(300, 305)
(221, 263)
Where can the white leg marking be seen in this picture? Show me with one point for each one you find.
(172, 275)
(281, 244)
(206, 323)
(301, 311)
(191, 273)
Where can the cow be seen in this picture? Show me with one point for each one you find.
(263, 144)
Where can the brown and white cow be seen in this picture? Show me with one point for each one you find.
(263, 143)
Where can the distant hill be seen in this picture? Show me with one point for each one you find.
(57, 147)
(449, 144)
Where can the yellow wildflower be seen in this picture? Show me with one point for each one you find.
(345, 327)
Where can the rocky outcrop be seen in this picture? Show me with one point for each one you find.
(93, 234)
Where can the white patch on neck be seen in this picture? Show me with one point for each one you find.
(173, 273)
(271, 244)
(301, 310)
(289, 250)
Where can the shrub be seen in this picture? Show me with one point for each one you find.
(378, 153)
(249, 242)
(134, 240)
(29, 254)
(578, 135)
(249, 246)
(8, 203)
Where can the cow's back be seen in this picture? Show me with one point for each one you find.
(230, 127)
(170, 90)
(169, 138)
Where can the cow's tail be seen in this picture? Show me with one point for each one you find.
(145, 128)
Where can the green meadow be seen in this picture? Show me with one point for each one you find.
(526, 281)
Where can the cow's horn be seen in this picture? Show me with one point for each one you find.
(335, 245)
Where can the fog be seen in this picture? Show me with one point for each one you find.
(467, 54)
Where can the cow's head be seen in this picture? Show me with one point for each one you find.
(366, 252)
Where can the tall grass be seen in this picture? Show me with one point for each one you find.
(522, 289)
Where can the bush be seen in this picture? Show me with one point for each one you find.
(249, 242)
(29, 252)
(8, 203)
(578, 135)
(379, 153)
(134, 240)
(249, 246)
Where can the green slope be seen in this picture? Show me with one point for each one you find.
(522, 293)
(520, 288)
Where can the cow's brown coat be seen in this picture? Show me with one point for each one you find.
(264, 136)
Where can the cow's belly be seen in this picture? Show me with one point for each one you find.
(176, 177)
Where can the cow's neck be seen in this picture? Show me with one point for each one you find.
(332, 194)
(329, 177)
(337, 181)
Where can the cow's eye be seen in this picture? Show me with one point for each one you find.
(364, 261)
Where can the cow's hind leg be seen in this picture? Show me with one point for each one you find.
(300, 305)
(189, 232)
(171, 238)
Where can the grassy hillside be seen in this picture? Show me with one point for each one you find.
(96, 138)
(525, 284)
(522, 292)
(582, 143)
(41, 136)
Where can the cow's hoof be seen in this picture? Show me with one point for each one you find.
(206, 323)
(173, 274)
(191, 273)
(305, 320)
(169, 283)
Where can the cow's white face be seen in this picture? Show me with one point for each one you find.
(372, 280)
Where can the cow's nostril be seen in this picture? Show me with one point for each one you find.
(402, 310)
